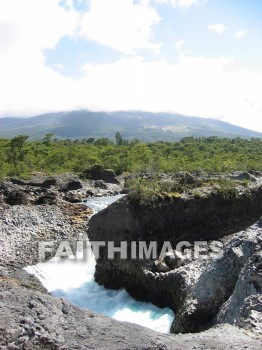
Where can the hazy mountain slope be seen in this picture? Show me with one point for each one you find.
(143, 125)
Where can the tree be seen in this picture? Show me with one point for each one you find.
(119, 138)
(104, 141)
(16, 152)
(48, 138)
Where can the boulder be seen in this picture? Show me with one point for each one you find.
(90, 193)
(16, 197)
(173, 259)
(73, 198)
(96, 172)
(160, 266)
(68, 182)
(73, 185)
(101, 184)
(49, 198)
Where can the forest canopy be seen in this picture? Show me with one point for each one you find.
(21, 157)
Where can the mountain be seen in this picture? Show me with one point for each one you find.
(134, 124)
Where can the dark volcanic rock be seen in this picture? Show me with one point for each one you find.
(16, 197)
(184, 218)
(49, 198)
(98, 173)
(68, 182)
(226, 290)
(37, 180)
(73, 185)
(73, 198)
(197, 289)
(101, 184)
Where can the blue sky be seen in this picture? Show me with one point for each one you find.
(194, 57)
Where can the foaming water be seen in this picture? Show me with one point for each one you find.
(74, 280)
(100, 203)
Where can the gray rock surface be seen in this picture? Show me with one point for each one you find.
(96, 172)
(22, 227)
(44, 189)
(244, 307)
(33, 320)
(30, 318)
(199, 289)
(223, 279)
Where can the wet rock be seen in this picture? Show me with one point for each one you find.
(48, 183)
(90, 193)
(23, 227)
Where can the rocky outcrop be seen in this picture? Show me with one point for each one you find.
(96, 172)
(219, 281)
(44, 189)
(22, 227)
(196, 289)
(30, 319)
(183, 218)
(16, 197)
(244, 307)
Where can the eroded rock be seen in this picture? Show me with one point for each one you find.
(195, 289)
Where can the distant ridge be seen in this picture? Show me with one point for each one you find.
(145, 126)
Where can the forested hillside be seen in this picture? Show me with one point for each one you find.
(145, 126)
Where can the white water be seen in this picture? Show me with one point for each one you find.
(74, 280)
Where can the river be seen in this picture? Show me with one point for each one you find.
(74, 281)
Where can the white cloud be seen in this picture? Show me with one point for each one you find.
(192, 86)
(34, 23)
(179, 44)
(28, 28)
(120, 24)
(240, 33)
(219, 28)
(182, 3)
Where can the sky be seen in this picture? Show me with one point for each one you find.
(193, 57)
